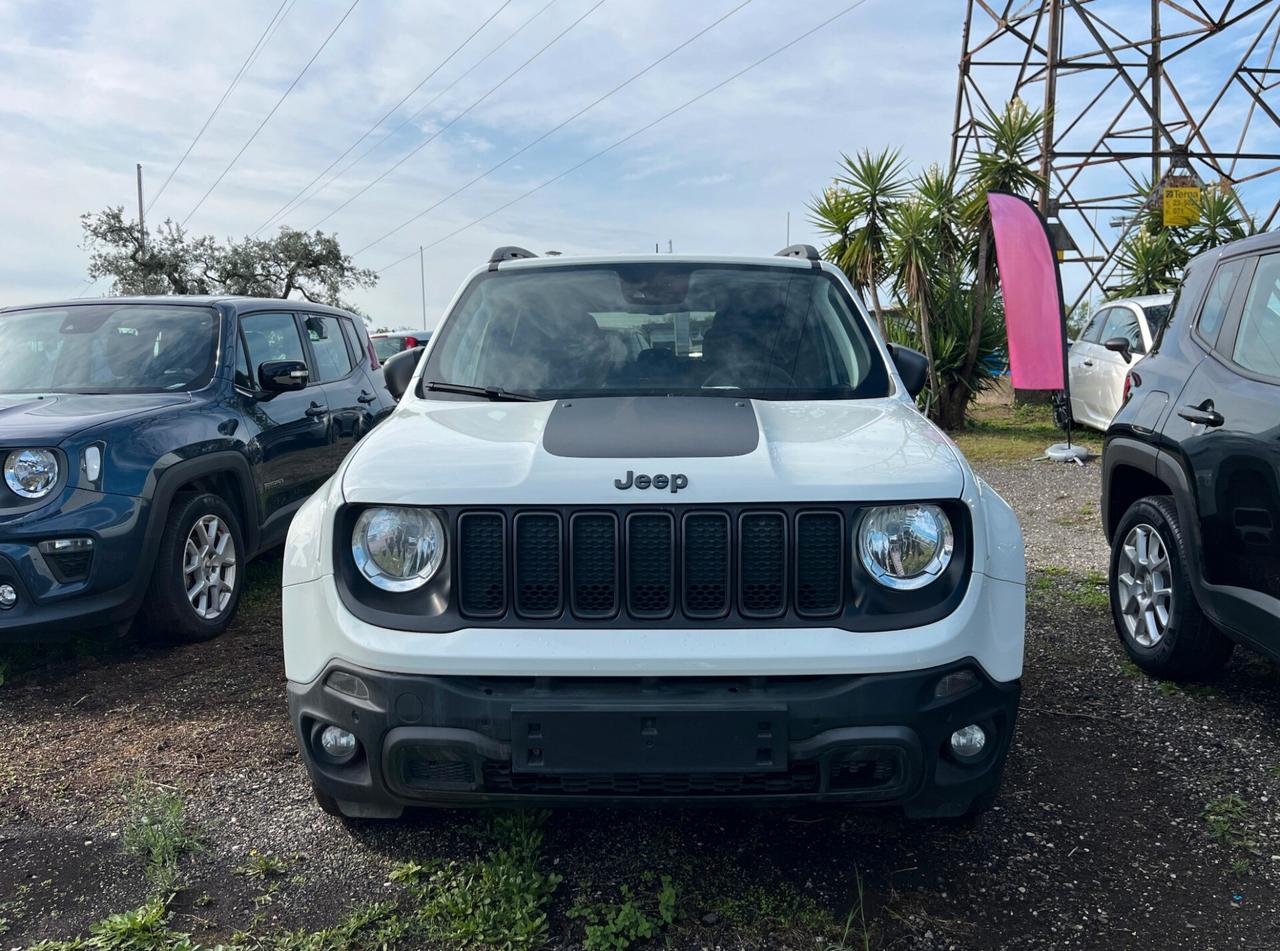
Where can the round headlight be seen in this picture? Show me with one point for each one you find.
(905, 546)
(398, 549)
(31, 473)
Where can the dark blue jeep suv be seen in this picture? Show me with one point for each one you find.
(151, 446)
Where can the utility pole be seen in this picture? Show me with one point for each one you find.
(142, 230)
(422, 275)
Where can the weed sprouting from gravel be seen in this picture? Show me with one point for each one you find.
(1227, 818)
(262, 865)
(156, 830)
(619, 926)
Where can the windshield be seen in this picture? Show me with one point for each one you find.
(107, 348)
(659, 329)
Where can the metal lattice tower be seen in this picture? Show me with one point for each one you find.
(1133, 91)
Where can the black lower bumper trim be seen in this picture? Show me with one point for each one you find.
(875, 739)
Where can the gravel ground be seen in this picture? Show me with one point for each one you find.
(1099, 839)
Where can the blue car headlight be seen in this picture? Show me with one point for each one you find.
(31, 473)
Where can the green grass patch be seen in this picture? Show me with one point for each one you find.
(1002, 432)
(157, 832)
(1089, 591)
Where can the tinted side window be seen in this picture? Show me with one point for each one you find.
(271, 337)
(1123, 322)
(1258, 342)
(1218, 299)
(1095, 326)
(353, 339)
(333, 360)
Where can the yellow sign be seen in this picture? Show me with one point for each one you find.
(1181, 206)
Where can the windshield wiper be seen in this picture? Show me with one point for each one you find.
(494, 394)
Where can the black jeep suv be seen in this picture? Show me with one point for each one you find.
(150, 446)
(1191, 472)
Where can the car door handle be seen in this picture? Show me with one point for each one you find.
(315, 409)
(1204, 414)
(1086, 363)
(366, 397)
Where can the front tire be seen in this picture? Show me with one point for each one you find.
(1153, 604)
(198, 575)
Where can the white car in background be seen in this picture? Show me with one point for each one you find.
(1118, 334)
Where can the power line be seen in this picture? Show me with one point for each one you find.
(235, 81)
(627, 138)
(267, 119)
(591, 105)
(444, 128)
(387, 115)
(427, 105)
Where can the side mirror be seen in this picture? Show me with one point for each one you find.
(398, 370)
(913, 367)
(283, 376)
(1120, 345)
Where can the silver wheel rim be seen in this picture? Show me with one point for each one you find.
(209, 567)
(1144, 585)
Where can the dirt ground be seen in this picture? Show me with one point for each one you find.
(1100, 838)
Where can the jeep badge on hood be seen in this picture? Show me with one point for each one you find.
(676, 481)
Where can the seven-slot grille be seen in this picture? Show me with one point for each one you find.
(651, 564)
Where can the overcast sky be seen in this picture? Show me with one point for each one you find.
(91, 88)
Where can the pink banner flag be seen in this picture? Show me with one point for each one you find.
(1032, 294)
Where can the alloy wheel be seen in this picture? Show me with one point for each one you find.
(1144, 585)
(209, 566)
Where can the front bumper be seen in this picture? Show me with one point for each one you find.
(877, 739)
(52, 604)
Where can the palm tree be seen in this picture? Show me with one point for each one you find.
(1150, 264)
(1220, 220)
(913, 259)
(856, 211)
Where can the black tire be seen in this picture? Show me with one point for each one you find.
(1189, 647)
(168, 616)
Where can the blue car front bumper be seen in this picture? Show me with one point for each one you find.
(64, 598)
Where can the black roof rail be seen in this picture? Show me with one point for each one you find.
(801, 251)
(508, 252)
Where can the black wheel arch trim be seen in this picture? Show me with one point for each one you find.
(164, 486)
(1168, 468)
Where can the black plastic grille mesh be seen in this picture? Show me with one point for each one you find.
(481, 556)
(538, 572)
(650, 565)
(802, 778)
(594, 550)
(819, 563)
(763, 563)
(706, 564)
(71, 567)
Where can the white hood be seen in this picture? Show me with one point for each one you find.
(431, 452)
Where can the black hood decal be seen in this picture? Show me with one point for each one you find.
(652, 427)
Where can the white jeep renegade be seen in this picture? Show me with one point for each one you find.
(655, 528)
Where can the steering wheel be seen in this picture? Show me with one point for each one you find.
(721, 377)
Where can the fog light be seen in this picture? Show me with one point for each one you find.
(968, 742)
(8, 595)
(338, 744)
